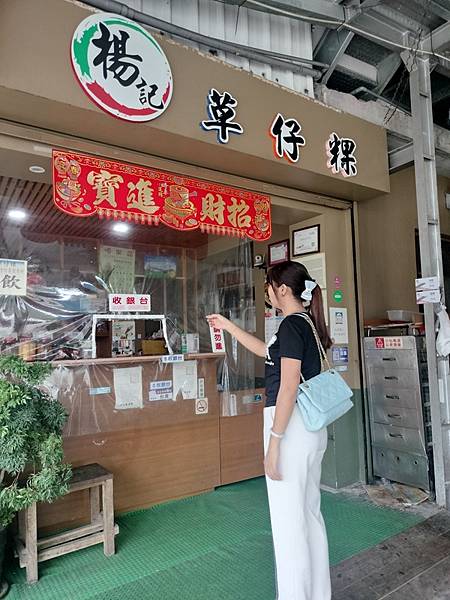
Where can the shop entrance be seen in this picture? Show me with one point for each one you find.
(320, 237)
(187, 276)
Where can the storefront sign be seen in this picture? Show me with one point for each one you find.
(341, 155)
(121, 67)
(13, 277)
(221, 112)
(87, 185)
(286, 138)
(129, 303)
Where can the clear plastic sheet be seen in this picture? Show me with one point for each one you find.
(69, 281)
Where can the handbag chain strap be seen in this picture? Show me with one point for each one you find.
(322, 353)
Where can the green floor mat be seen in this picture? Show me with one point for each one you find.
(213, 546)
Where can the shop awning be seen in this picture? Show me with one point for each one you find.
(85, 185)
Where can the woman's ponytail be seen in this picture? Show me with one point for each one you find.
(316, 311)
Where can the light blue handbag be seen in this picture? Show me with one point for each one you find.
(325, 397)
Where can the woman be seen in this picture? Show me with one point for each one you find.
(293, 455)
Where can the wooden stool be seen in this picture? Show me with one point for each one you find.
(101, 529)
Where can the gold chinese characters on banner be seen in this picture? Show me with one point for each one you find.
(84, 186)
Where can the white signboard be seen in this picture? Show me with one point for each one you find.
(428, 297)
(121, 67)
(427, 283)
(129, 303)
(339, 325)
(13, 277)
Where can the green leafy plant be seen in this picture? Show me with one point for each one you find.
(31, 448)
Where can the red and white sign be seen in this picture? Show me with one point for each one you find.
(121, 67)
(217, 339)
(129, 303)
(379, 343)
(86, 185)
(393, 342)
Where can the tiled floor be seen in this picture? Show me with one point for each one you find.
(412, 565)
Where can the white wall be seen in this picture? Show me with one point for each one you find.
(244, 26)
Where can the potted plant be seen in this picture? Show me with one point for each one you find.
(31, 446)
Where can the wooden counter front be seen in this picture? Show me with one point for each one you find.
(159, 452)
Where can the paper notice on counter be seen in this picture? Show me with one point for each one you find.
(160, 390)
(185, 379)
(339, 325)
(128, 388)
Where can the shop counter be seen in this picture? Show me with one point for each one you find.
(158, 450)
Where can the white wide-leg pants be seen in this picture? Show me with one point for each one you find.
(298, 530)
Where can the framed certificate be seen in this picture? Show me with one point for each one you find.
(278, 252)
(306, 240)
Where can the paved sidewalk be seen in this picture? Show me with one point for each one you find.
(412, 565)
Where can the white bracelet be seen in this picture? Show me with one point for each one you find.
(279, 436)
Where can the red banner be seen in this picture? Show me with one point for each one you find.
(87, 185)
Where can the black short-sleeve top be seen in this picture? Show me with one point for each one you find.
(294, 339)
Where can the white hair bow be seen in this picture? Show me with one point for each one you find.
(307, 294)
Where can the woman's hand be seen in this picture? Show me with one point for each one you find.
(219, 322)
(272, 459)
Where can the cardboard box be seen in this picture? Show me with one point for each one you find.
(153, 347)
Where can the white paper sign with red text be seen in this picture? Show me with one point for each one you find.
(129, 303)
(217, 339)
